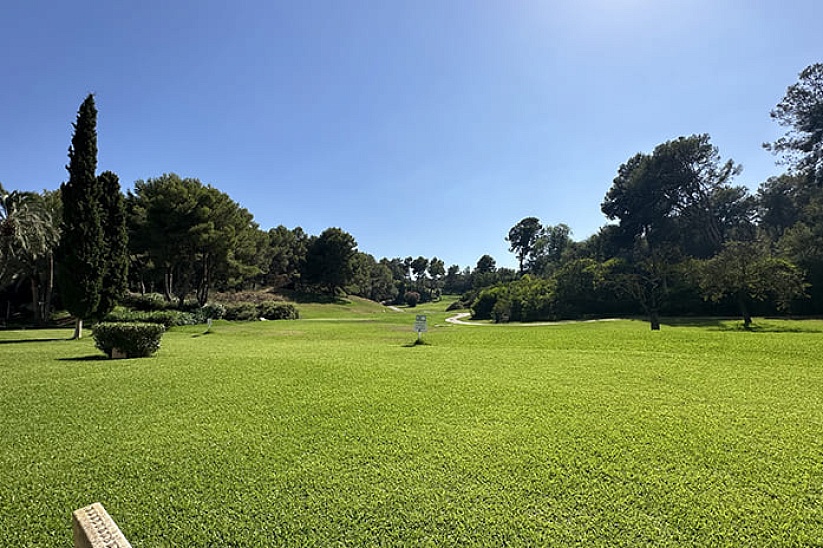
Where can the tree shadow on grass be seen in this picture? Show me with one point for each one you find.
(710, 323)
(23, 341)
(417, 342)
(315, 298)
(92, 358)
(734, 324)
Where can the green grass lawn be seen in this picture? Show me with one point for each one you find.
(320, 432)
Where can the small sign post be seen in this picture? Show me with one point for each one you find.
(420, 325)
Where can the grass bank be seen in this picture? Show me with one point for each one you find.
(319, 432)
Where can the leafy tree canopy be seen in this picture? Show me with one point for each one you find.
(801, 111)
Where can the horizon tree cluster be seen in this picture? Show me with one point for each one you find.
(683, 239)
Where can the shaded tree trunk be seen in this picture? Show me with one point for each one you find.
(78, 329)
(744, 311)
(49, 290)
(205, 282)
(35, 301)
(168, 282)
(654, 320)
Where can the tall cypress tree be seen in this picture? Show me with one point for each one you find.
(116, 241)
(81, 250)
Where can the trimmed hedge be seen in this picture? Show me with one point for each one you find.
(146, 302)
(268, 310)
(215, 311)
(167, 318)
(241, 312)
(271, 310)
(135, 340)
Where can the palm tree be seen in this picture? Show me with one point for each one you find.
(28, 235)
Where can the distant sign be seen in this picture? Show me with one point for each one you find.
(420, 323)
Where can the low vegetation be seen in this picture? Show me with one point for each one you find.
(131, 340)
(342, 432)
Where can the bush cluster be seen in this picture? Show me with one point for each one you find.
(241, 312)
(255, 297)
(269, 310)
(166, 318)
(153, 308)
(215, 311)
(135, 340)
(146, 302)
(411, 298)
(528, 299)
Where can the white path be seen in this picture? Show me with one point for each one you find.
(457, 319)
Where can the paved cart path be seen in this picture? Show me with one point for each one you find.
(457, 319)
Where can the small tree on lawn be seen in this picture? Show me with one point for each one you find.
(747, 272)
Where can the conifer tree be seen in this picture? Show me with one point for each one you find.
(116, 244)
(81, 250)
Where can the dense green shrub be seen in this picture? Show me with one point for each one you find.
(241, 312)
(214, 311)
(146, 302)
(456, 305)
(190, 305)
(412, 298)
(256, 297)
(167, 318)
(526, 300)
(135, 340)
(272, 310)
(483, 305)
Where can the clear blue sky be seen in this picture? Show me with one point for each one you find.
(424, 127)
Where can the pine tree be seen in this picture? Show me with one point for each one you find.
(81, 250)
(116, 256)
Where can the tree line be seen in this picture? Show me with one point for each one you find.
(684, 239)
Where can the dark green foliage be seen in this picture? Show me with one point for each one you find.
(677, 200)
(242, 312)
(548, 249)
(329, 259)
(28, 235)
(486, 265)
(411, 298)
(147, 301)
(271, 310)
(526, 300)
(670, 195)
(192, 234)
(801, 110)
(371, 280)
(581, 288)
(522, 238)
(483, 305)
(213, 311)
(136, 340)
(288, 256)
(167, 318)
(81, 250)
(116, 238)
(456, 305)
(747, 272)
(457, 281)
